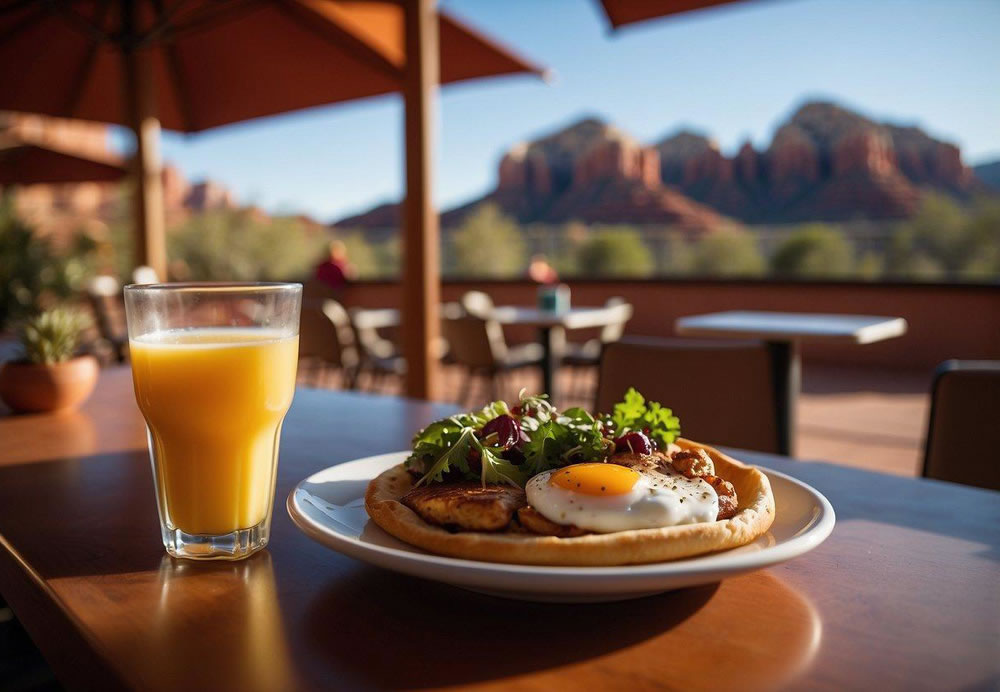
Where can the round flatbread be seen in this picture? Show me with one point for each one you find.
(756, 512)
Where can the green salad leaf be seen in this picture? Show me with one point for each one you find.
(634, 414)
(456, 455)
(454, 448)
(496, 469)
(544, 448)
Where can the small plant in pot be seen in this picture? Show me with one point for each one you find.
(53, 375)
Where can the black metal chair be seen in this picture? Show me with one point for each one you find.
(583, 358)
(477, 344)
(963, 432)
(326, 340)
(722, 391)
(380, 358)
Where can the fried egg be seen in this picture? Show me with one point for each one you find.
(606, 497)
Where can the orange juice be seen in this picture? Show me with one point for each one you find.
(214, 400)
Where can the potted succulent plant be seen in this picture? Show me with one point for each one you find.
(52, 376)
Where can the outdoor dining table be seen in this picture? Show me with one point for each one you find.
(904, 594)
(551, 326)
(783, 332)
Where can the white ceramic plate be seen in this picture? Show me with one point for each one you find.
(329, 507)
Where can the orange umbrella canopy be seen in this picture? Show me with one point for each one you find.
(621, 12)
(25, 162)
(215, 62)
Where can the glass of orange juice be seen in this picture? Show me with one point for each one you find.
(214, 372)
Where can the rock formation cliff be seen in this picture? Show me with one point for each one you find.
(590, 172)
(825, 163)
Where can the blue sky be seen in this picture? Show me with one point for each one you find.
(733, 73)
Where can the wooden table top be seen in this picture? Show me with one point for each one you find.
(904, 594)
(789, 326)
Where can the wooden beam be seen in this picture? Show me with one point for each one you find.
(421, 262)
(140, 107)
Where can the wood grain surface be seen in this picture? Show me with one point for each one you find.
(904, 594)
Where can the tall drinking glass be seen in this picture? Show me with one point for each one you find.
(214, 372)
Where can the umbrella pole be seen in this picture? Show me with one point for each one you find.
(421, 262)
(147, 201)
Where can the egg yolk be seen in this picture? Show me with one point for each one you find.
(595, 479)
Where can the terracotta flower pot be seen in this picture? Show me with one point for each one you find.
(38, 388)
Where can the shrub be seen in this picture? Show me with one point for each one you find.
(614, 252)
(388, 255)
(361, 255)
(869, 267)
(487, 244)
(677, 256)
(235, 246)
(728, 252)
(983, 237)
(903, 261)
(943, 240)
(938, 231)
(32, 273)
(815, 250)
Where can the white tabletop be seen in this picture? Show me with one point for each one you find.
(375, 318)
(792, 326)
(573, 318)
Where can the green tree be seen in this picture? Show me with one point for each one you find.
(814, 250)
(920, 267)
(961, 242)
(938, 231)
(728, 252)
(944, 240)
(239, 246)
(488, 244)
(388, 255)
(676, 256)
(614, 252)
(983, 237)
(563, 245)
(870, 266)
(361, 255)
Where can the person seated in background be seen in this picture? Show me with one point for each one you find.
(335, 271)
(540, 271)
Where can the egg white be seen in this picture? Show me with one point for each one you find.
(658, 499)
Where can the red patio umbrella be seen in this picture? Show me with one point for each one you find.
(197, 64)
(622, 12)
(24, 161)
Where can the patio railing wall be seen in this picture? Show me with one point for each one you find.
(945, 321)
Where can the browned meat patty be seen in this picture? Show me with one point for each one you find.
(693, 463)
(534, 521)
(468, 506)
(728, 504)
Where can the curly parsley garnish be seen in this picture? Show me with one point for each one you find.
(635, 414)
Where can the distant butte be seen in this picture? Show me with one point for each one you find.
(826, 163)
